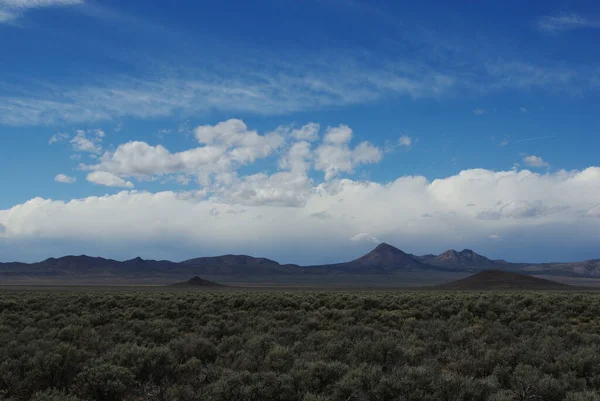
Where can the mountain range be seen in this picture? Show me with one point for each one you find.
(385, 259)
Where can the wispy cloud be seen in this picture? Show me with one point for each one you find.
(539, 138)
(527, 76)
(566, 22)
(11, 10)
(297, 86)
(58, 137)
(479, 112)
(293, 88)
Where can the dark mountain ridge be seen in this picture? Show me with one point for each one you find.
(385, 259)
(465, 260)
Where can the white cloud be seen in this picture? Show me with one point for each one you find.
(366, 153)
(405, 140)
(309, 132)
(246, 145)
(229, 145)
(479, 112)
(289, 189)
(495, 236)
(108, 179)
(334, 156)
(338, 135)
(65, 179)
(88, 141)
(226, 147)
(544, 208)
(565, 22)
(297, 158)
(523, 109)
(57, 138)
(535, 161)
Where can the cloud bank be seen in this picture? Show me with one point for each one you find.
(472, 208)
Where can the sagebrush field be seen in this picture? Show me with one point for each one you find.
(299, 345)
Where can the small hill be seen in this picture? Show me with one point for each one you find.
(502, 280)
(465, 260)
(198, 282)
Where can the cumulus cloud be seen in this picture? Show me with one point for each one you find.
(535, 161)
(65, 179)
(229, 145)
(88, 141)
(546, 209)
(234, 133)
(107, 179)
(309, 132)
(334, 156)
(226, 146)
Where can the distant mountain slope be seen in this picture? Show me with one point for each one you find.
(465, 260)
(198, 282)
(587, 268)
(502, 280)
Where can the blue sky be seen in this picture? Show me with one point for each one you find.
(304, 131)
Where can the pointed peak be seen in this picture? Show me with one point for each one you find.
(449, 252)
(385, 247)
(470, 251)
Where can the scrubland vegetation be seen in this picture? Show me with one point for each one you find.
(305, 346)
